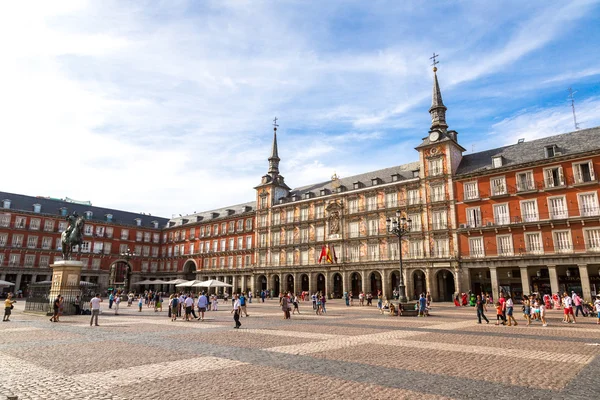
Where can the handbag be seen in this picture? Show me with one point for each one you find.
(12, 306)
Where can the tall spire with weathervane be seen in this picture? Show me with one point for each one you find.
(438, 109)
(274, 159)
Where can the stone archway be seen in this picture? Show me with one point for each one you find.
(262, 282)
(321, 283)
(355, 283)
(445, 284)
(305, 283)
(120, 276)
(376, 283)
(189, 270)
(338, 285)
(419, 284)
(289, 283)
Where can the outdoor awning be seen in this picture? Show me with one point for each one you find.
(212, 283)
(154, 282)
(188, 284)
(6, 283)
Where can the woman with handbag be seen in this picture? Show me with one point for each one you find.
(8, 306)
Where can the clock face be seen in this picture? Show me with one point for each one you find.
(433, 136)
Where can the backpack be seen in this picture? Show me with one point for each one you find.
(242, 301)
(175, 301)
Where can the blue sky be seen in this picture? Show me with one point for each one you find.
(168, 105)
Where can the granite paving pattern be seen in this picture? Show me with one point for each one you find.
(352, 352)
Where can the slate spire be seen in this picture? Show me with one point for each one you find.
(274, 159)
(438, 109)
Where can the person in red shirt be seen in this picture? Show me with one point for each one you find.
(499, 314)
(502, 302)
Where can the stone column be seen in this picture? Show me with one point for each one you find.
(253, 287)
(244, 287)
(585, 282)
(297, 283)
(429, 274)
(234, 282)
(494, 278)
(18, 282)
(345, 278)
(553, 278)
(385, 291)
(364, 285)
(525, 282)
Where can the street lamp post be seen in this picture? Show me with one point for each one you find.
(127, 256)
(399, 226)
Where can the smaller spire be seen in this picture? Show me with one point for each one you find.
(437, 109)
(274, 159)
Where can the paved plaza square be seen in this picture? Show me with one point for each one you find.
(350, 353)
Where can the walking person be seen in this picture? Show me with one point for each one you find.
(422, 305)
(117, 302)
(77, 304)
(55, 309)
(509, 311)
(111, 299)
(527, 309)
(202, 304)
(140, 303)
(568, 309)
(597, 308)
(578, 305)
(502, 302)
(236, 312)
(323, 300)
(9, 305)
(499, 317)
(95, 307)
(285, 307)
(189, 304)
(295, 303)
(481, 307)
(243, 311)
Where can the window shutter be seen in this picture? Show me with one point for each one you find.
(593, 177)
(561, 176)
(549, 181)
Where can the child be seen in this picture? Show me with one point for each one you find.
(536, 309)
(543, 314)
(527, 310)
(499, 316)
(140, 303)
(597, 308)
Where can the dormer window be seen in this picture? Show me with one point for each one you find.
(63, 211)
(109, 217)
(374, 181)
(550, 151)
(138, 221)
(395, 177)
(497, 161)
(307, 195)
(88, 214)
(415, 173)
(37, 208)
(155, 224)
(323, 192)
(356, 185)
(6, 203)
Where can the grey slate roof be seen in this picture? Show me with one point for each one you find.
(219, 213)
(51, 206)
(404, 171)
(567, 144)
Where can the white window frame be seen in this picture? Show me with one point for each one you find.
(594, 244)
(549, 181)
(501, 219)
(578, 175)
(587, 210)
(470, 193)
(474, 217)
(529, 181)
(498, 186)
(562, 246)
(476, 247)
(553, 215)
(505, 252)
(528, 217)
(528, 247)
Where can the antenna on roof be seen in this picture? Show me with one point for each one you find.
(472, 148)
(572, 98)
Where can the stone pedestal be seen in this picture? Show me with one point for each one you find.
(66, 276)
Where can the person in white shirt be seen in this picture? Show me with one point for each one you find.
(202, 304)
(568, 309)
(189, 304)
(95, 307)
(117, 302)
(215, 303)
(597, 308)
(236, 312)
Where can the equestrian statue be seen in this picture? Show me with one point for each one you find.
(72, 236)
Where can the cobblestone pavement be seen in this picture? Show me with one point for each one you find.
(350, 353)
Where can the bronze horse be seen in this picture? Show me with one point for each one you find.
(74, 239)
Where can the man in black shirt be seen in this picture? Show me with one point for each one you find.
(56, 308)
(480, 307)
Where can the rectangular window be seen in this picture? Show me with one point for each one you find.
(471, 190)
(1, 259)
(222, 262)
(215, 246)
(304, 214)
(371, 203)
(435, 167)
(525, 181)
(262, 221)
(138, 236)
(553, 177)
(289, 258)
(3, 239)
(276, 217)
(304, 235)
(122, 248)
(320, 233)
(88, 230)
(147, 236)
(529, 211)
(438, 193)
(146, 250)
(20, 222)
(304, 257)
(45, 261)
(319, 212)
(584, 172)
(393, 251)
(505, 247)
(155, 251)
(498, 186)
(276, 237)
(248, 242)
(588, 204)
(4, 220)
(497, 162)
(62, 226)
(29, 260)
(558, 207)
(215, 229)
(222, 244)
(231, 244)
(476, 247)
(14, 260)
(17, 240)
(32, 242)
(391, 200)
(562, 241)
(474, 217)
(354, 229)
(239, 226)
(124, 234)
(592, 239)
(533, 243)
(247, 261)
(275, 259)
(415, 249)
(48, 225)
(262, 240)
(354, 253)
(440, 248)
(373, 227)
(238, 262)
(439, 220)
(230, 262)
(373, 251)
(289, 216)
(240, 243)
(501, 214)
(353, 206)
(415, 225)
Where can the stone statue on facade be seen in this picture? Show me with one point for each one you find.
(334, 222)
(72, 236)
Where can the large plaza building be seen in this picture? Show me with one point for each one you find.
(517, 219)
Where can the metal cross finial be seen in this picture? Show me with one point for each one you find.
(275, 123)
(434, 61)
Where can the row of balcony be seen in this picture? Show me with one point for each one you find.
(535, 218)
(560, 249)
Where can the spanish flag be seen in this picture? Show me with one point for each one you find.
(326, 253)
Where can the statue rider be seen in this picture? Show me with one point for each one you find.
(71, 219)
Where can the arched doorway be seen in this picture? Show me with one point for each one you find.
(445, 281)
(289, 283)
(189, 270)
(338, 285)
(276, 286)
(375, 279)
(395, 281)
(262, 282)
(419, 284)
(355, 283)
(120, 275)
(321, 283)
(305, 282)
